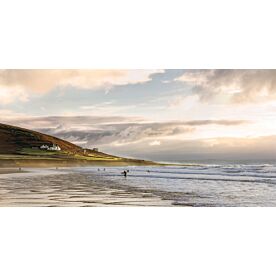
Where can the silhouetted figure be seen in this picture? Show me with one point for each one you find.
(128, 171)
(19, 169)
(104, 169)
(124, 173)
(98, 170)
(148, 171)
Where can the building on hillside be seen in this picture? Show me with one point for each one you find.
(54, 147)
(44, 147)
(95, 149)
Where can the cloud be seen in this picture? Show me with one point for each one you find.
(155, 143)
(9, 95)
(235, 86)
(215, 122)
(118, 133)
(9, 115)
(19, 84)
(226, 148)
(67, 122)
(115, 130)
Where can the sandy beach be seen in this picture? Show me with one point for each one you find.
(10, 170)
(202, 185)
(53, 188)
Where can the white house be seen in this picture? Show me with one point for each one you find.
(44, 147)
(54, 147)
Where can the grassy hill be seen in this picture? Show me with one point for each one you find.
(14, 139)
(21, 147)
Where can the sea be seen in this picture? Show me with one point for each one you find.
(223, 183)
(197, 184)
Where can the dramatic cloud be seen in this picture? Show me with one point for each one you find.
(19, 84)
(57, 123)
(118, 133)
(95, 130)
(232, 85)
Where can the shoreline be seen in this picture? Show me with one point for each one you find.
(65, 163)
(46, 163)
(66, 188)
(10, 171)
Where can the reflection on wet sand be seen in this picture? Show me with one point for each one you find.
(71, 189)
(10, 170)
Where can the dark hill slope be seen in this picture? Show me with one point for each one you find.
(14, 139)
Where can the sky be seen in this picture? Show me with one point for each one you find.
(161, 115)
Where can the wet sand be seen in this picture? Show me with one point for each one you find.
(10, 170)
(55, 188)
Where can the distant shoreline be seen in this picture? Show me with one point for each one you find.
(10, 171)
(48, 163)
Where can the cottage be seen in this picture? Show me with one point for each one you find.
(44, 147)
(54, 147)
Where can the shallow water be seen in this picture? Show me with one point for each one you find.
(197, 185)
(203, 185)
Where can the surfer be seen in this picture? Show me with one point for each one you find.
(125, 173)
